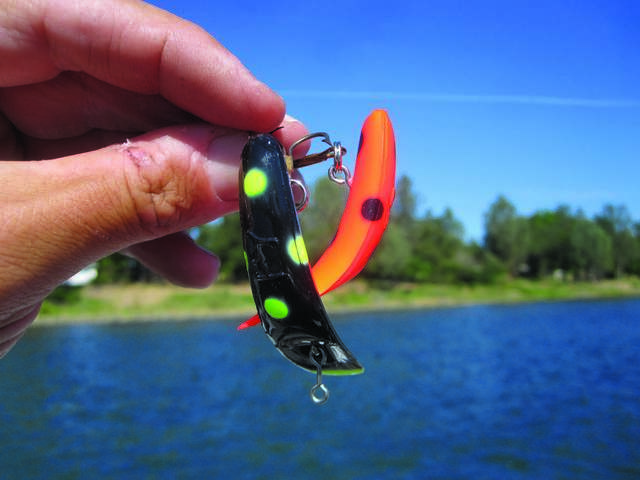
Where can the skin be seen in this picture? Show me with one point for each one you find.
(121, 125)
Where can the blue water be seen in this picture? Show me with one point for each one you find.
(529, 391)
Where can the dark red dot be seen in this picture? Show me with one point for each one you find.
(372, 209)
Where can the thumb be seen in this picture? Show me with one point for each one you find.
(59, 215)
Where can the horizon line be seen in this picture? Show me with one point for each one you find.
(543, 100)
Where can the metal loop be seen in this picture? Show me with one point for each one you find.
(318, 357)
(322, 397)
(335, 151)
(301, 205)
(340, 175)
(337, 154)
(324, 135)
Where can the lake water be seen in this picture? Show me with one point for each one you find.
(496, 392)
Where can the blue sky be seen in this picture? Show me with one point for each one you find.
(539, 101)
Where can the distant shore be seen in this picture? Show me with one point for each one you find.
(151, 302)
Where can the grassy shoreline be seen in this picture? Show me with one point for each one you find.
(142, 302)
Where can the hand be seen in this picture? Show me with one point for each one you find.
(95, 89)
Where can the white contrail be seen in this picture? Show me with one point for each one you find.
(465, 98)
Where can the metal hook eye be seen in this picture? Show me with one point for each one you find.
(302, 204)
(318, 357)
(323, 395)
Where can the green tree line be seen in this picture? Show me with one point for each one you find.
(432, 248)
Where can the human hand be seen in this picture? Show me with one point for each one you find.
(113, 97)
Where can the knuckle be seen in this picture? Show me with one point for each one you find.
(156, 187)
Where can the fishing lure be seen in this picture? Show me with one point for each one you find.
(288, 304)
(284, 289)
(366, 214)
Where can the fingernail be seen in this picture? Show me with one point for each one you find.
(290, 119)
(225, 155)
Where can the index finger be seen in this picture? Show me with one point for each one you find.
(137, 47)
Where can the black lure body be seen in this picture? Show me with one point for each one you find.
(285, 295)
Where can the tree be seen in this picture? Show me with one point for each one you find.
(506, 234)
(590, 250)
(616, 221)
(550, 241)
(614, 218)
(118, 268)
(320, 219)
(224, 238)
(475, 264)
(404, 206)
(437, 243)
(391, 258)
(634, 267)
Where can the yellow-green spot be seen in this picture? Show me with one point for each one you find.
(255, 182)
(246, 260)
(297, 250)
(276, 308)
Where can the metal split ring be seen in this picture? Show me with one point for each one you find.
(340, 175)
(302, 204)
